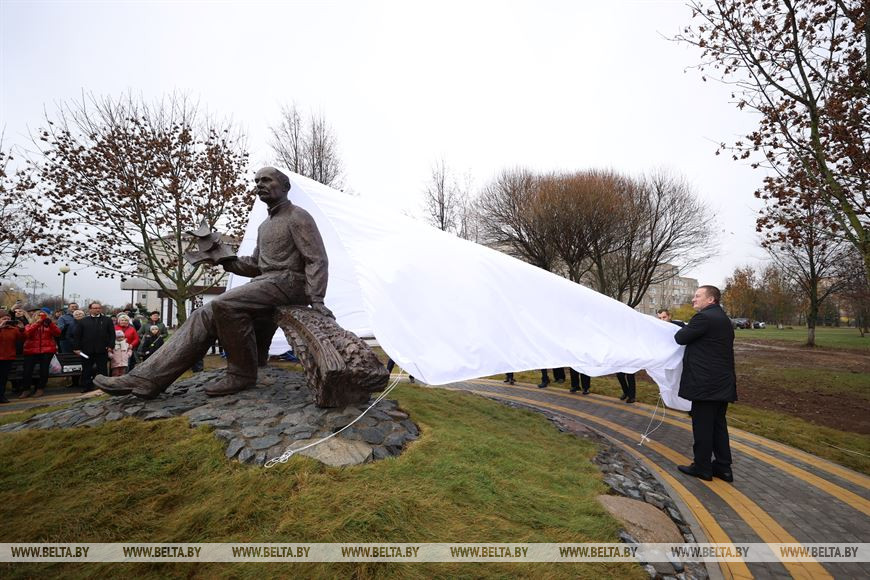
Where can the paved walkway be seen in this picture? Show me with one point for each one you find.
(54, 395)
(780, 494)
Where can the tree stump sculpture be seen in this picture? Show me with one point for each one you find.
(340, 367)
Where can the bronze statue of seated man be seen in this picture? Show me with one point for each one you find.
(288, 266)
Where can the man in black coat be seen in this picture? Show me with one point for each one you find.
(709, 382)
(665, 314)
(94, 337)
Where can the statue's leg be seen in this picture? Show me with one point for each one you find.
(236, 315)
(264, 330)
(153, 376)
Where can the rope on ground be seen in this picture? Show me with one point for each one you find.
(645, 436)
(291, 452)
(800, 437)
(847, 450)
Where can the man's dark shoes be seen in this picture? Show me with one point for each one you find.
(623, 397)
(543, 385)
(574, 389)
(695, 472)
(723, 474)
(630, 400)
(585, 391)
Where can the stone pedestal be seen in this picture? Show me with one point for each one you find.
(340, 368)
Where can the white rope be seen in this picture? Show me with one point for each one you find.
(846, 450)
(799, 437)
(645, 436)
(291, 452)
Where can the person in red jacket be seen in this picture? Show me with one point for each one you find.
(11, 335)
(39, 347)
(130, 332)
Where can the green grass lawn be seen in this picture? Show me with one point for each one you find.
(481, 472)
(828, 337)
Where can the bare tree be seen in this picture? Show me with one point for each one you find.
(808, 255)
(580, 214)
(21, 219)
(620, 234)
(511, 222)
(855, 291)
(307, 147)
(288, 140)
(126, 180)
(469, 222)
(444, 200)
(664, 231)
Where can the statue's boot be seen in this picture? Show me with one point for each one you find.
(228, 385)
(127, 384)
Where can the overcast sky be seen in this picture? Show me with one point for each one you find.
(487, 85)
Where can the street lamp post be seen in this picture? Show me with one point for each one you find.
(64, 270)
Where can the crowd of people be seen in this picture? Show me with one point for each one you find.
(107, 344)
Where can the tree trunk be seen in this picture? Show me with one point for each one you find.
(180, 310)
(812, 315)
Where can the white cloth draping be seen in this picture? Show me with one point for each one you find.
(446, 309)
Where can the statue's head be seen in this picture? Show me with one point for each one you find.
(272, 185)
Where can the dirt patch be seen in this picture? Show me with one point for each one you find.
(835, 411)
(759, 363)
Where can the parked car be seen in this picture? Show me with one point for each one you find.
(741, 323)
(758, 324)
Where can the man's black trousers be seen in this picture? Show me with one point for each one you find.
(711, 436)
(95, 364)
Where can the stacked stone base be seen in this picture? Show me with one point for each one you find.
(258, 424)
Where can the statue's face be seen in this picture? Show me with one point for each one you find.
(269, 189)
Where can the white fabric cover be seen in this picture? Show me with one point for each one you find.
(446, 309)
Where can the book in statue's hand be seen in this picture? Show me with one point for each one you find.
(209, 250)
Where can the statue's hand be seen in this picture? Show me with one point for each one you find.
(228, 263)
(320, 308)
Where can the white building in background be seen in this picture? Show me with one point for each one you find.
(146, 291)
(668, 294)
